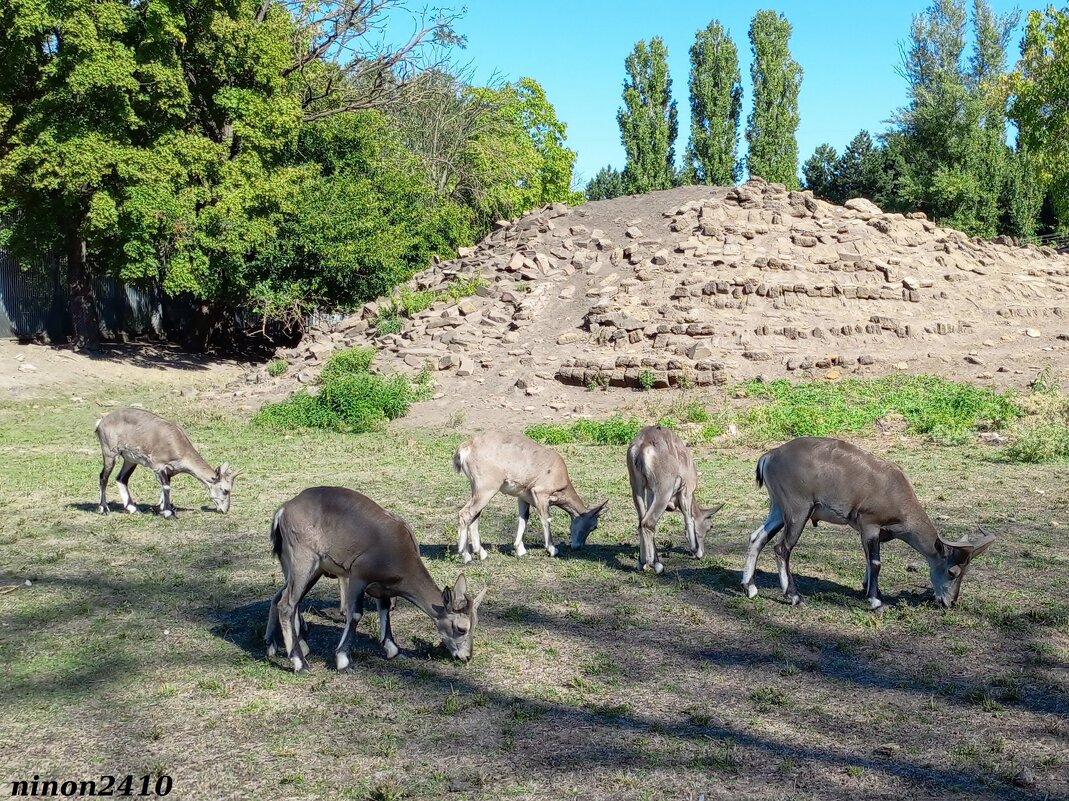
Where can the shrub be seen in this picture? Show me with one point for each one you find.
(352, 398)
(347, 362)
(277, 367)
(300, 410)
(646, 379)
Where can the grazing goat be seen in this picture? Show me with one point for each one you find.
(339, 532)
(663, 478)
(143, 438)
(818, 479)
(495, 461)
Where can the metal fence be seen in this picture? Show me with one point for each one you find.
(34, 302)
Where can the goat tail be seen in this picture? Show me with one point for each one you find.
(459, 458)
(760, 472)
(276, 533)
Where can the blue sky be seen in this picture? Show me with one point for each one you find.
(576, 50)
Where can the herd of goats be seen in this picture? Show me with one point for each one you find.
(341, 533)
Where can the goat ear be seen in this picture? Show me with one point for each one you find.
(712, 510)
(478, 599)
(224, 468)
(460, 589)
(447, 598)
(596, 511)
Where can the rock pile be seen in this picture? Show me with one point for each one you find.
(705, 285)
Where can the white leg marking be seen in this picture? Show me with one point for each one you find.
(304, 647)
(751, 590)
(551, 550)
(784, 579)
(124, 493)
(167, 513)
(658, 567)
(465, 557)
(272, 650)
(341, 660)
(875, 603)
(750, 567)
(391, 649)
(297, 664)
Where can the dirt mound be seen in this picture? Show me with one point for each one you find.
(707, 285)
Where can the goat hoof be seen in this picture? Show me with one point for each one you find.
(796, 600)
(272, 649)
(658, 567)
(341, 661)
(103, 509)
(167, 512)
(551, 550)
(520, 550)
(299, 665)
(751, 590)
(875, 603)
(465, 557)
(482, 554)
(391, 649)
(131, 508)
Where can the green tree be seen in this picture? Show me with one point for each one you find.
(954, 127)
(715, 106)
(367, 221)
(777, 79)
(155, 141)
(607, 183)
(648, 124)
(1040, 105)
(819, 172)
(854, 174)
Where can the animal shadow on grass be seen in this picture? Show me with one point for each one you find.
(114, 507)
(246, 625)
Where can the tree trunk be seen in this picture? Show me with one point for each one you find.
(85, 324)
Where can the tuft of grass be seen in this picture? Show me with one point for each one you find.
(463, 287)
(277, 367)
(1038, 443)
(766, 698)
(646, 379)
(352, 398)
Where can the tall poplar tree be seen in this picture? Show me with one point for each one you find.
(648, 123)
(715, 107)
(777, 79)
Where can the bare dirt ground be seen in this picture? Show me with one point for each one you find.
(34, 370)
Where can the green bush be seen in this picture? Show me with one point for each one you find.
(347, 362)
(352, 398)
(300, 410)
(277, 367)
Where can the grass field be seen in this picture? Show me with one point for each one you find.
(137, 646)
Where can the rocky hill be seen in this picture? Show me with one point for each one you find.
(701, 286)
